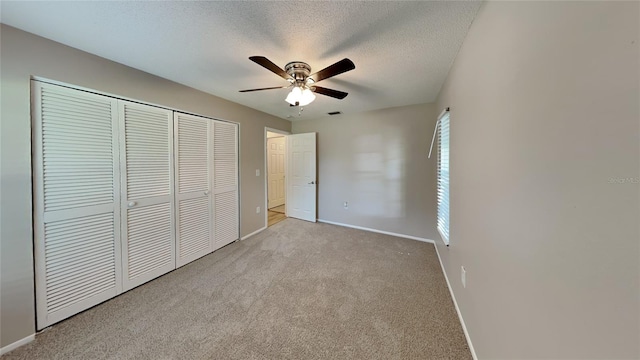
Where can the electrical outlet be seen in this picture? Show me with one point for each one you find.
(258, 210)
(463, 276)
(257, 172)
(346, 205)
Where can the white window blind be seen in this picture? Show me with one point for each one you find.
(443, 177)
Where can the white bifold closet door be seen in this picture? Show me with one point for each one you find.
(76, 201)
(194, 200)
(110, 211)
(147, 198)
(225, 183)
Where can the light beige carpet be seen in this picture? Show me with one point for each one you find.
(297, 290)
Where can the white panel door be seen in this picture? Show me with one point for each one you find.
(275, 175)
(194, 210)
(147, 198)
(301, 192)
(76, 201)
(225, 183)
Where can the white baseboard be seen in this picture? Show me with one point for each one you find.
(17, 344)
(253, 233)
(464, 326)
(378, 231)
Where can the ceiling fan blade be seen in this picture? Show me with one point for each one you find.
(267, 64)
(269, 88)
(330, 92)
(341, 66)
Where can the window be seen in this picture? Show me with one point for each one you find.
(443, 177)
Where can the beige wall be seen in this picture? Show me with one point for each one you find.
(377, 161)
(24, 55)
(544, 112)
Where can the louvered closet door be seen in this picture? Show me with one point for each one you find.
(225, 183)
(194, 210)
(146, 160)
(76, 201)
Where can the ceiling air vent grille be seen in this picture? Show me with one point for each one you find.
(335, 113)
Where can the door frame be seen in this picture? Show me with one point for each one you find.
(265, 172)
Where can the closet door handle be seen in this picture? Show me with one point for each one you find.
(206, 192)
(312, 183)
(132, 204)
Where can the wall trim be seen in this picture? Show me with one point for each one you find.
(253, 233)
(378, 231)
(455, 302)
(17, 344)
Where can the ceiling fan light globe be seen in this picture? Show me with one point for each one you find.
(307, 97)
(294, 96)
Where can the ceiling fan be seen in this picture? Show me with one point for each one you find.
(302, 84)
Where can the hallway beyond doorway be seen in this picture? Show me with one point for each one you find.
(275, 217)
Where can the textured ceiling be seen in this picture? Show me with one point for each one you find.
(402, 50)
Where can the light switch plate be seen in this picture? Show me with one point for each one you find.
(257, 172)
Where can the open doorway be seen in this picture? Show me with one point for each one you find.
(275, 179)
(290, 176)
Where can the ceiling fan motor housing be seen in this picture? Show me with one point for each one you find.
(298, 70)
